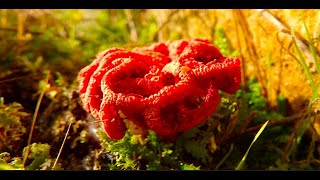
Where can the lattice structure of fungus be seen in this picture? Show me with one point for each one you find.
(167, 87)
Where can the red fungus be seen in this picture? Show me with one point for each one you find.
(168, 87)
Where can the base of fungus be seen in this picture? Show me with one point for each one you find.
(135, 129)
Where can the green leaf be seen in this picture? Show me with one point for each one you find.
(5, 166)
(189, 167)
(311, 46)
(39, 153)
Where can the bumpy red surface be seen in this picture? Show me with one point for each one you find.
(168, 87)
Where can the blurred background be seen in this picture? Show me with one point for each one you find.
(71, 38)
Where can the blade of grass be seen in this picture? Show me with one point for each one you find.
(315, 93)
(311, 46)
(306, 122)
(314, 56)
(306, 69)
(240, 165)
(303, 63)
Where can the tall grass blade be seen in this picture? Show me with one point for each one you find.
(314, 56)
(311, 46)
(240, 165)
(303, 63)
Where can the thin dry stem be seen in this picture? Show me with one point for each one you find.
(63, 142)
(286, 49)
(247, 121)
(228, 130)
(34, 121)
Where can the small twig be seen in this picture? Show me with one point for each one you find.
(232, 124)
(314, 162)
(247, 121)
(228, 130)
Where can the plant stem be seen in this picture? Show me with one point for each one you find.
(34, 121)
